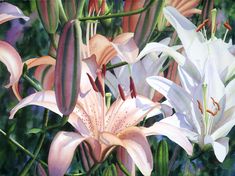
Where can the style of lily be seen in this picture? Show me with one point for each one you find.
(104, 128)
(197, 49)
(206, 115)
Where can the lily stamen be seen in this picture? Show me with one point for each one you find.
(92, 83)
(100, 83)
(212, 113)
(227, 26)
(202, 25)
(200, 106)
(121, 92)
(132, 88)
(104, 70)
(215, 103)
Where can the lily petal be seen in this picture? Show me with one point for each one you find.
(230, 94)
(173, 133)
(123, 114)
(61, 152)
(47, 100)
(220, 146)
(136, 144)
(178, 98)
(180, 121)
(44, 60)
(9, 12)
(126, 160)
(126, 47)
(10, 57)
(225, 124)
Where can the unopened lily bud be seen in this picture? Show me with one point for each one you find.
(48, 11)
(68, 67)
(161, 159)
(110, 171)
(73, 8)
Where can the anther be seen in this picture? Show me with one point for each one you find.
(132, 88)
(227, 26)
(212, 113)
(215, 103)
(104, 70)
(99, 83)
(121, 92)
(92, 83)
(199, 106)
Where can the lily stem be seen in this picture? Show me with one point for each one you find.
(29, 164)
(22, 148)
(121, 14)
(116, 65)
(38, 87)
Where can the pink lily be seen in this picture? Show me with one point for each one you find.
(103, 128)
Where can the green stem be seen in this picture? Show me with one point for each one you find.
(53, 41)
(22, 148)
(93, 169)
(39, 145)
(63, 17)
(119, 14)
(116, 65)
(123, 168)
(38, 87)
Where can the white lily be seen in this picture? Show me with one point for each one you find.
(207, 114)
(150, 65)
(197, 49)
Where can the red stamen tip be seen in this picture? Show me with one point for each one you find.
(121, 92)
(92, 83)
(100, 83)
(206, 21)
(227, 26)
(132, 88)
(104, 70)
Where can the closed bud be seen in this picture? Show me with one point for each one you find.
(48, 11)
(73, 8)
(147, 23)
(110, 171)
(68, 67)
(162, 158)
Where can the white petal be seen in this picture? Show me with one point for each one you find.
(173, 133)
(180, 121)
(230, 94)
(220, 146)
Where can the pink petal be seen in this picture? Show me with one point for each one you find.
(78, 119)
(44, 60)
(123, 114)
(10, 12)
(10, 57)
(101, 47)
(61, 152)
(136, 144)
(126, 47)
(126, 160)
(173, 133)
